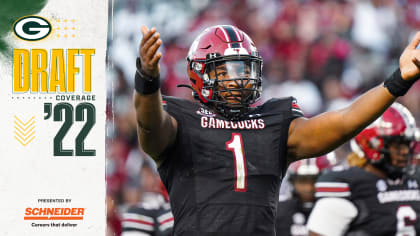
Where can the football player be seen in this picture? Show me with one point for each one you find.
(293, 212)
(416, 155)
(152, 216)
(379, 198)
(222, 159)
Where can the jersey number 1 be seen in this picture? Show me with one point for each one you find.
(236, 146)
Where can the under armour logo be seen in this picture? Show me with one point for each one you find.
(211, 55)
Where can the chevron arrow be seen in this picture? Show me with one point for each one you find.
(24, 131)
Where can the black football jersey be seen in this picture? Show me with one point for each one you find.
(152, 217)
(222, 176)
(292, 216)
(385, 207)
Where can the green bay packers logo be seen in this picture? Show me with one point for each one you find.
(32, 28)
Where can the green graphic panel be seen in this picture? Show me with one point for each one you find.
(10, 11)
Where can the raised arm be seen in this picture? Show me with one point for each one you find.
(156, 129)
(325, 132)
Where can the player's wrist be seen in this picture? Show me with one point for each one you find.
(144, 83)
(396, 85)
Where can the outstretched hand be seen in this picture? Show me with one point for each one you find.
(147, 50)
(410, 60)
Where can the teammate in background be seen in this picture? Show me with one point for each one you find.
(416, 156)
(222, 160)
(379, 198)
(292, 213)
(152, 216)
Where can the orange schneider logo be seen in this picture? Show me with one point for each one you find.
(54, 213)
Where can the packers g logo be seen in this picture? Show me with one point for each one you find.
(32, 28)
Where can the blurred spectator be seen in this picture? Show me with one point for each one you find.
(375, 24)
(303, 90)
(333, 94)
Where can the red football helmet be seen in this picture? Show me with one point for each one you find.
(397, 124)
(225, 53)
(311, 167)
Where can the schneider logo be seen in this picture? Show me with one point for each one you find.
(32, 28)
(54, 213)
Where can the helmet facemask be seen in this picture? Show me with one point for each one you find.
(224, 68)
(233, 83)
(386, 162)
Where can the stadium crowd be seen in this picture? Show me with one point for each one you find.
(323, 52)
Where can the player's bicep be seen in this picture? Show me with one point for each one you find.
(315, 136)
(331, 216)
(292, 141)
(169, 130)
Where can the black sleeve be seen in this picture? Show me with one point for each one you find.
(181, 110)
(177, 108)
(296, 111)
(173, 105)
(286, 109)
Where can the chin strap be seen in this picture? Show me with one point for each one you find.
(391, 171)
(194, 94)
(231, 114)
